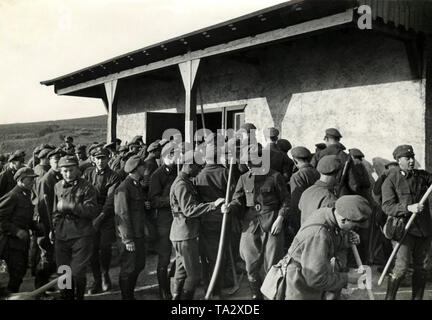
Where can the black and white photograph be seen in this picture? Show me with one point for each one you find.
(185, 151)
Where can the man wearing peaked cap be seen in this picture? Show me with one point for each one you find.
(356, 153)
(83, 161)
(16, 220)
(75, 207)
(279, 160)
(299, 182)
(154, 153)
(401, 192)
(44, 202)
(187, 208)
(320, 238)
(130, 217)
(333, 146)
(160, 185)
(267, 202)
(321, 194)
(43, 165)
(15, 162)
(105, 181)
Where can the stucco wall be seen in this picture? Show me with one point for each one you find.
(356, 81)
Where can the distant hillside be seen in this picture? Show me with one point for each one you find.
(27, 136)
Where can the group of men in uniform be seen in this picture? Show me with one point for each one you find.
(304, 212)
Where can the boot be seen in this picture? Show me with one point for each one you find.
(392, 287)
(418, 285)
(255, 286)
(124, 288)
(96, 286)
(106, 282)
(80, 286)
(164, 284)
(178, 289)
(188, 294)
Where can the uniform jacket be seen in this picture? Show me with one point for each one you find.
(211, 184)
(400, 190)
(317, 196)
(159, 194)
(7, 182)
(105, 182)
(76, 223)
(16, 212)
(309, 273)
(151, 166)
(130, 214)
(40, 170)
(186, 207)
(268, 192)
(43, 198)
(299, 182)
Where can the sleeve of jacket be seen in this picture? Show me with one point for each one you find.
(155, 193)
(190, 206)
(55, 214)
(87, 208)
(121, 209)
(7, 207)
(238, 202)
(284, 196)
(287, 167)
(390, 201)
(316, 268)
(108, 207)
(296, 192)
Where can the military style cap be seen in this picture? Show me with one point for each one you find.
(68, 161)
(136, 139)
(24, 172)
(37, 150)
(356, 153)
(329, 164)
(111, 145)
(123, 148)
(153, 146)
(284, 145)
(404, 150)
(132, 163)
(68, 139)
(391, 163)
(301, 153)
(117, 140)
(100, 152)
(57, 151)
(17, 155)
(354, 208)
(273, 132)
(133, 144)
(321, 146)
(332, 132)
(44, 152)
(248, 126)
(93, 147)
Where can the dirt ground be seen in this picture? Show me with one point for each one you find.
(147, 288)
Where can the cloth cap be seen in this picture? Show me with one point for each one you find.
(153, 146)
(132, 163)
(356, 153)
(333, 132)
(354, 208)
(248, 126)
(404, 150)
(301, 153)
(24, 172)
(68, 161)
(17, 155)
(329, 164)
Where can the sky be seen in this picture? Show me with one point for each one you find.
(43, 39)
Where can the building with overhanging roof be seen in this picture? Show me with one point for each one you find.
(301, 66)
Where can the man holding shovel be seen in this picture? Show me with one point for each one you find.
(401, 193)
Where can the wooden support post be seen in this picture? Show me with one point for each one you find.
(188, 72)
(110, 90)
